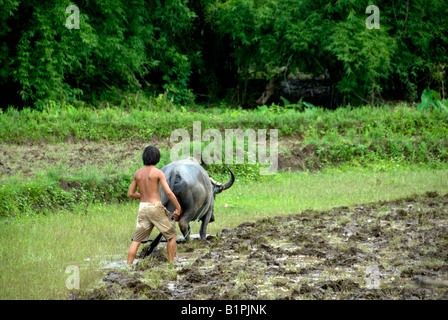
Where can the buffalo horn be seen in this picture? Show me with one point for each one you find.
(225, 186)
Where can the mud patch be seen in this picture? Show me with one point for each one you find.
(72, 156)
(75, 155)
(382, 250)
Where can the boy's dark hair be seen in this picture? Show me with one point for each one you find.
(151, 156)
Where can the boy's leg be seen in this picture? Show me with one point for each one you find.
(133, 251)
(161, 219)
(171, 249)
(142, 232)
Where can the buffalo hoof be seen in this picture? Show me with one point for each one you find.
(182, 240)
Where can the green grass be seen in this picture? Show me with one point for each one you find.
(36, 250)
(285, 193)
(345, 124)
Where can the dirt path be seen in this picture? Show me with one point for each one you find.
(382, 250)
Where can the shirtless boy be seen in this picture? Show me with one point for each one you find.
(151, 212)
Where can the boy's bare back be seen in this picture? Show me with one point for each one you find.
(147, 179)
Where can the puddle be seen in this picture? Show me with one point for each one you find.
(115, 264)
(184, 258)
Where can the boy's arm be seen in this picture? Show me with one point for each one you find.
(170, 195)
(132, 190)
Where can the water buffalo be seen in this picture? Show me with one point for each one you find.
(194, 190)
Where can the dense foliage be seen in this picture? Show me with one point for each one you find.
(212, 49)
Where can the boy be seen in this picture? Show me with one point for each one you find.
(152, 212)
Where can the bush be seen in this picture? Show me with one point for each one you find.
(50, 193)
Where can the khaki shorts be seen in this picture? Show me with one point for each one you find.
(150, 215)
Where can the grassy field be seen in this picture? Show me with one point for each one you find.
(61, 157)
(65, 174)
(37, 251)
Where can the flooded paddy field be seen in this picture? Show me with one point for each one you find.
(381, 250)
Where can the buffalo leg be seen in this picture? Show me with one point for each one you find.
(150, 248)
(205, 221)
(184, 228)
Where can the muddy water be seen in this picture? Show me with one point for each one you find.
(382, 250)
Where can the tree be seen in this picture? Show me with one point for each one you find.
(212, 48)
